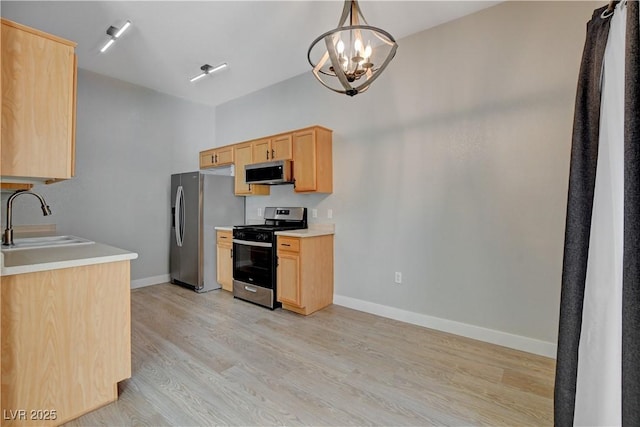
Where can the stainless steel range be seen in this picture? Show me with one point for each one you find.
(254, 255)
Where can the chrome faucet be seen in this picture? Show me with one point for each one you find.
(7, 239)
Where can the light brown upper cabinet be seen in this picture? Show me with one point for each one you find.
(215, 157)
(38, 104)
(273, 148)
(313, 160)
(309, 148)
(243, 155)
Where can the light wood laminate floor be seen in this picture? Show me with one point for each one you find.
(207, 359)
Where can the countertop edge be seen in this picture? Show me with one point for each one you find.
(34, 267)
(305, 233)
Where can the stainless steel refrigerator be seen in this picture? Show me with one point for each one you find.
(199, 203)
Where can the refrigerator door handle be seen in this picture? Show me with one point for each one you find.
(179, 216)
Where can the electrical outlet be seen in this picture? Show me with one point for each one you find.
(259, 211)
(329, 213)
(314, 213)
(398, 277)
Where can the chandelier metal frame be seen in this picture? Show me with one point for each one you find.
(349, 80)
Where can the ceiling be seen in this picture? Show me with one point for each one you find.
(264, 42)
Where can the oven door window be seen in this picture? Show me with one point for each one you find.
(253, 264)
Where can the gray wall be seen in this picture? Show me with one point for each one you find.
(452, 169)
(128, 142)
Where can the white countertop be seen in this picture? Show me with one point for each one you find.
(33, 260)
(314, 230)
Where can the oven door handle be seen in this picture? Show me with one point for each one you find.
(248, 243)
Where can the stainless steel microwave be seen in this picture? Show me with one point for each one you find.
(271, 173)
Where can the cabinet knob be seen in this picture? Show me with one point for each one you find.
(267, 154)
(212, 161)
(273, 154)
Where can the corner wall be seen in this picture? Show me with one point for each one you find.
(129, 140)
(451, 169)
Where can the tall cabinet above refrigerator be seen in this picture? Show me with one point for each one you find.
(199, 203)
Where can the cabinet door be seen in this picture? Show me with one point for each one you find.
(38, 103)
(261, 150)
(289, 278)
(304, 156)
(225, 267)
(207, 159)
(242, 156)
(281, 147)
(224, 156)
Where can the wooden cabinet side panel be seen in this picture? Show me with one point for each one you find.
(37, 105)
(66, 339)
(324, 159)
(316, 276)
(74, 106)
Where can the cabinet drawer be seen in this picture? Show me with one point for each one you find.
(291, 244)
(224, 237)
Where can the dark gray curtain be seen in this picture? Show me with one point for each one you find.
(584, 156)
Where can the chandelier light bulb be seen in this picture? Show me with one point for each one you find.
(368, 51)
(358, 46)
(340, 47)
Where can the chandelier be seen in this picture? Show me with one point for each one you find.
(350, 57)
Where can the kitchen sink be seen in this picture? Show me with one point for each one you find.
(45, 242)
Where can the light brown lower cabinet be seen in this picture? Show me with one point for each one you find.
(224, 259)
(66, 342)
(305, 273)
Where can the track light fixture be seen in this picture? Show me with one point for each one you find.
(208, 69)
(114, 33)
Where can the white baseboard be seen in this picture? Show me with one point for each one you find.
(148, 281)
(505, 339)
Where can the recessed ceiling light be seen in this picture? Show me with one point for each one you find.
(208, 69)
